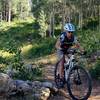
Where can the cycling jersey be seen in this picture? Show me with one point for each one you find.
(65, 41)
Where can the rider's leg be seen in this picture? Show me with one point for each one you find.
(66, 59)
(61, 68)
(61, 63)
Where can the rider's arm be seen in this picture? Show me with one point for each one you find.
(58, 44)
(77, 44)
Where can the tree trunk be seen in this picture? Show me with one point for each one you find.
(21, 8)
(50, 24)
(9, 13)
(53, 21)
(53, 25)
(6, 15)
(49, 30)
(1, 17)
(63, 21)
(63, 14)
(4, 10)
(99, 18)
(80, 17)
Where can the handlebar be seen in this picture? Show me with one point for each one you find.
(69, 43)
(73, 51)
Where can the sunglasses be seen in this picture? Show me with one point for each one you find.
(70, 32)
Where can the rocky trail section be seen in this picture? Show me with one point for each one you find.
(63, 94)
(24, 90)
(11, 89)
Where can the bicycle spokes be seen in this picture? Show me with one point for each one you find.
(77, 79)
(78, 83)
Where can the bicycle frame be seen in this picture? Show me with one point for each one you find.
(70, 64)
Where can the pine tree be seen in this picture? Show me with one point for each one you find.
(42, 23)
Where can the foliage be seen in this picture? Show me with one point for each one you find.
(19, 70)
(19, 9)
(42, 24)
(57, 32)
(11, 42)
(42, 48)
(95, 71)
(22, 71)
(16, 34)
(89, 40)
(91, 23)
(2, 62)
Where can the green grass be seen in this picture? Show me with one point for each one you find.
(42, 48)
(20, 32)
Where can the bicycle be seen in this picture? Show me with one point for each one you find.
(79, 83)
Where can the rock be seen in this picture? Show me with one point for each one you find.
(47, 84)
(36, 96)
(29, 83)
(22, 86)
(36, 84)
(45, 93)
(10, 71)
(25, 89)
(41, 90)
(12, 86)
(41, 94)
(5, 81)
(50, 85)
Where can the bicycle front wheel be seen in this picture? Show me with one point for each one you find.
(79, 83)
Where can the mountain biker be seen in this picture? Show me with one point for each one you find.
(65, 41)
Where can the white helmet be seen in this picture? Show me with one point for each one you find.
(69, 27)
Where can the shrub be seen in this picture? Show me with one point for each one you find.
(95, 71)
(21, 71)
(42, 47)
(89, 40)
(91, 23)
(25, 73)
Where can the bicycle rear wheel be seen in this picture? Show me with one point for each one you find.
(79, 83)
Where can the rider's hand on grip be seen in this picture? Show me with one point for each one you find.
(83, 52)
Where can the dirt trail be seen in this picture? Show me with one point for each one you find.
(49, 75)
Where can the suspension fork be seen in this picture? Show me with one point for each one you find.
(77, 79)
(78, 74)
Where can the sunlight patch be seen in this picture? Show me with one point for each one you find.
(5, 54)
(26, 48)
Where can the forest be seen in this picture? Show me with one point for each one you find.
(29, 30)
